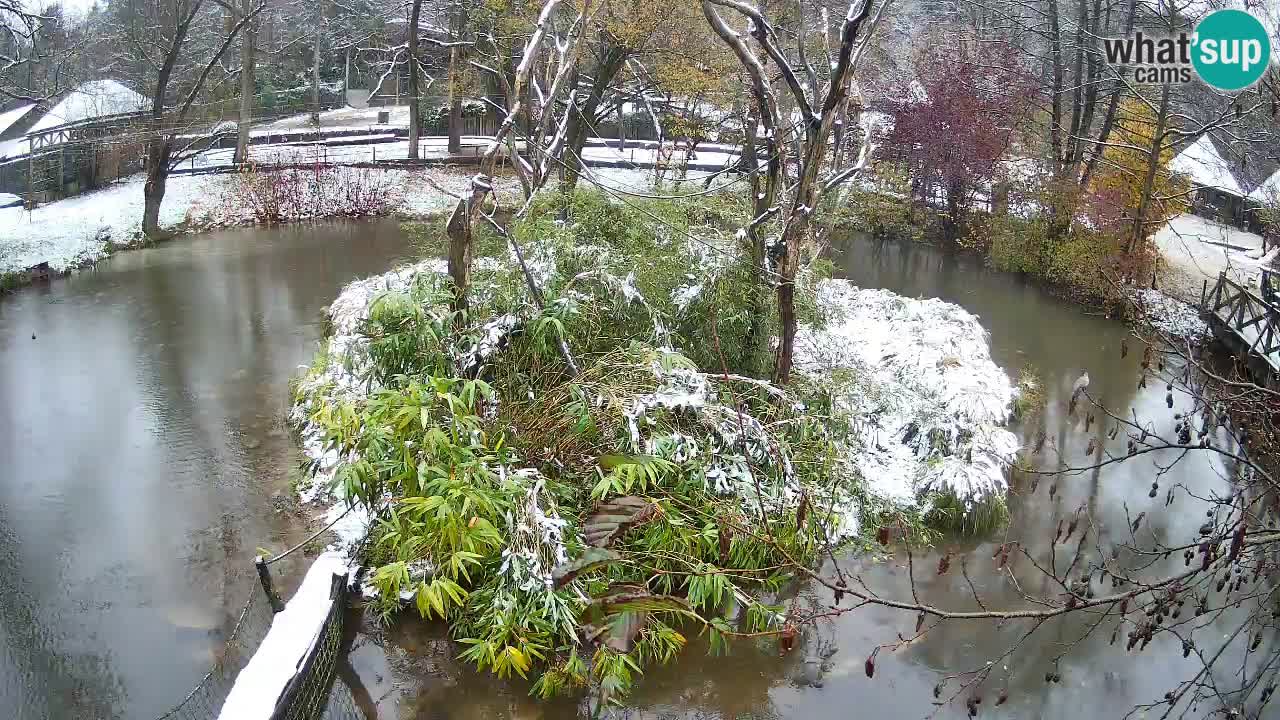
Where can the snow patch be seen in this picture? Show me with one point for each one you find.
(1169, 316)
(927, 403)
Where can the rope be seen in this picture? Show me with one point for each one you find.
(317, 534)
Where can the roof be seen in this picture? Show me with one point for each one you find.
(1268, 193)
(9, 117)
(1205, 167)
(97, 99)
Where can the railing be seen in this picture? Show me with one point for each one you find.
(1252, 318)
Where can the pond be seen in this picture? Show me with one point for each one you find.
(144, 460)
(141, 452)
(410, 669)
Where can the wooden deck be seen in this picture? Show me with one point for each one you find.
(1246, 321)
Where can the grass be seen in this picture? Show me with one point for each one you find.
(948, 514)
(1030, 397)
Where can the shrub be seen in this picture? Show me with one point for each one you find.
(275, 194)
(497, 460)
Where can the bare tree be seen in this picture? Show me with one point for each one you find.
(543, 139)
(818, 103)
(36, 52)
(248, 46)
(415, 98)
(177, 29)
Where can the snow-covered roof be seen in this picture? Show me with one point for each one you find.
(10, 117)
(100, 98)
(1205, 167)
(1268, 193)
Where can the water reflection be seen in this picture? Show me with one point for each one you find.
(142, 443)
(1028, 329)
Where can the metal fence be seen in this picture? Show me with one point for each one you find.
(205, 700)
(307, 695)
(312, 694)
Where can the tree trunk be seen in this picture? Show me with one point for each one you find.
(456, 22)
(247, 47)
(315, 72)
(792, 236)
(455, 101)
(414, 100)
(1153, 166)
(459, 232)
(622, 127)
(158, 152)
(581, 116)
(758, 299)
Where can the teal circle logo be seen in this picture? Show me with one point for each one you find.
(1232, 49)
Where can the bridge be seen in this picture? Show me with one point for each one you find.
(1248, 322)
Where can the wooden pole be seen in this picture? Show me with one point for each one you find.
(264, 576)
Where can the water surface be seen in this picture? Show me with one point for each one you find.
(141, 452)
(414, 676)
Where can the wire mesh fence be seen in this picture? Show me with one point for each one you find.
(313, 694)
(307, 695)
(204, 701)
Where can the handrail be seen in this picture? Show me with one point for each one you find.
(1246, 291)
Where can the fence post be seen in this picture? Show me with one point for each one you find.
(1204, 296)
(264, 576)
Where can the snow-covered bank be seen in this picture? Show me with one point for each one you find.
(82, 229)
(927, 402)
(347, 361)
(1194, 251)
(1169, 316)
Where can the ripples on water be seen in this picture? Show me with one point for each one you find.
(141, 444)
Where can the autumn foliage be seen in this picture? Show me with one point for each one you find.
(956, 121)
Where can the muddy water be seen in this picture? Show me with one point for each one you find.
(141, 447)
(411, 675)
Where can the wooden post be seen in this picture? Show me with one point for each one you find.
(264, 576)
(1204, 296)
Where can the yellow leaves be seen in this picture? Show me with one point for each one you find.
(438, 596)
(1123, 170)
(517, 661)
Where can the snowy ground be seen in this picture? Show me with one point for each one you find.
(340, 150)
(82, 229)
(79, 230)
(375, 147)
(342, 118)
(1195, 250)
